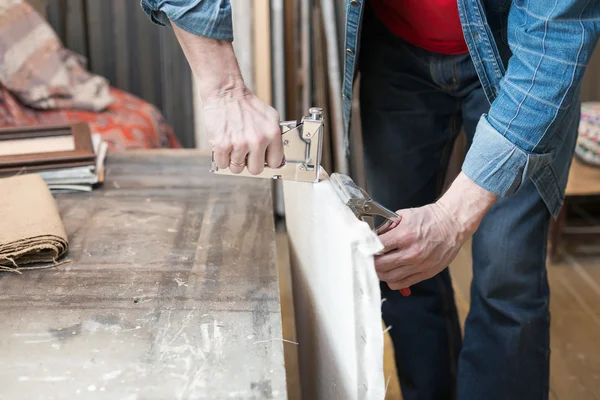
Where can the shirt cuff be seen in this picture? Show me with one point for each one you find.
(497, 164)
(207, 18)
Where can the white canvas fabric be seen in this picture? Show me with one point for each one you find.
(336, 295)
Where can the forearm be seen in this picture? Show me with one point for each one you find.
(243, 131)
(213, 63)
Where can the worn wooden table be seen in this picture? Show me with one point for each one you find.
(171, 294)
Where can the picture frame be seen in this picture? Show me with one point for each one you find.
(43, 147)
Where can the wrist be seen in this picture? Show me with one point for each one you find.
(222, 86)
(467, 203)
(218, 73)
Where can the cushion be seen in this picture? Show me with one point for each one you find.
(39, 70)
(128, 123)
(588, 140)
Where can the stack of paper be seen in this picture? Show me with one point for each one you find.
(79, 178)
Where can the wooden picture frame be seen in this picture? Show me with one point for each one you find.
(79, 153)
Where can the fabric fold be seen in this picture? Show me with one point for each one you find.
(31, 231)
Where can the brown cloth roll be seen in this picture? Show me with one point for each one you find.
(31, 231)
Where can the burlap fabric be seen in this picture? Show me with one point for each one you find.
(31, 231)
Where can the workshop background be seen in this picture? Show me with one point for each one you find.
(291, 54)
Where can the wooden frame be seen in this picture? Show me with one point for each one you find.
(82, 154)
(262, 50)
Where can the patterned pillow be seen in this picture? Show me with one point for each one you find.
(38, 70)
(588, 140)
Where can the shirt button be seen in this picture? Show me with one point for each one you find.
(355, 3)
(349, 51)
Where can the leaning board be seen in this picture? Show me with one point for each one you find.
(336, 296)
(172, 291)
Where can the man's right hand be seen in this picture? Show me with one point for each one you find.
(243, 131)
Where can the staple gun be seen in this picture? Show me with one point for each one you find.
(302, 148)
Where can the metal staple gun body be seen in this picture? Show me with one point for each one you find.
(302, 147)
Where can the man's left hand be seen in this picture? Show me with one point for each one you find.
(428, 238)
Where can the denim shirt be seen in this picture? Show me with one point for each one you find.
(530, 56)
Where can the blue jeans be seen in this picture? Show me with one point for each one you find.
(413, 104)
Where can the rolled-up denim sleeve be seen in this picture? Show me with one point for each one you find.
(209, 18)
(551, 47)
(497, 164)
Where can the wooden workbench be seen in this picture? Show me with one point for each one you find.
(172, 291)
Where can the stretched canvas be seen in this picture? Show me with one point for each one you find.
(336, 295)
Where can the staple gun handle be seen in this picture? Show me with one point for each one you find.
(373, 208)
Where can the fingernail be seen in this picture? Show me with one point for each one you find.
(405, 292)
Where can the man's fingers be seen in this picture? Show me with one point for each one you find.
(222, 155)
(275, 142)
(275, 153)
(396, 238)
(387, 226)
(238, 159)
(408, 281)
(256, 158)
(397, 257)
(387, 261)
(397, 274)
(389, 241)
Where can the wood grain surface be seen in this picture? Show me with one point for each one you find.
(172, 292)
(583, 179)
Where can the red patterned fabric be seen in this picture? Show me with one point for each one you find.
(129, 123)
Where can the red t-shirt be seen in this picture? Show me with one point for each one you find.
(433, 25)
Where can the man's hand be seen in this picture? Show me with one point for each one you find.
(243, 130)
(240, 128)
(428, 238)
